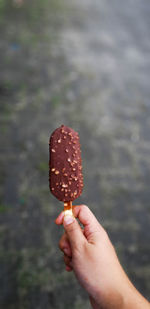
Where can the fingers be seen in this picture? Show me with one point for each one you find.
(74, 233)
(68, 262)
(93, 231)
(66, 249)
(68, 268)
(84, 214)
(64, 245)
(92, 227)
(59, 219)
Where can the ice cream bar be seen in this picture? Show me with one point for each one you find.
(65, 165)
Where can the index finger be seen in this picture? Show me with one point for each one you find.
(89, 221)
(85, 215)
(82, 212)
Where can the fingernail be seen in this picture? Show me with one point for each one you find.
(68, 219)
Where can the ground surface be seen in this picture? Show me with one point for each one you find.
(85, 64)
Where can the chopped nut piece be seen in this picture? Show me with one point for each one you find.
(64, 185)
(65, 174)
(63, 169)
(52, 189)
(64, 137)
(62, 189)
(59, 141)
(69, 160)
(74, 169)
(53, 169)
(66, 150)
(53, 150)
(56, 172)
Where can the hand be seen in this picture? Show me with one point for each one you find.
(90, 254)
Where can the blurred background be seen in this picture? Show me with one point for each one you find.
(85, 64)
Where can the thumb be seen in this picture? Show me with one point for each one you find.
(74, 232)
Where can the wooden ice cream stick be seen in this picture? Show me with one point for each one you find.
(68, 208)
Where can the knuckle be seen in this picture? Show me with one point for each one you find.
(85, 207)
(86, 210)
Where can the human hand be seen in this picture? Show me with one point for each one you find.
(90, 254)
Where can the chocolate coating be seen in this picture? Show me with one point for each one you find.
(65, 165)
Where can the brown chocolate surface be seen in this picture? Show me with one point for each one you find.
(65, 165)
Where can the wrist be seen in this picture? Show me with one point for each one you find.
(131, 298)
(123, 296)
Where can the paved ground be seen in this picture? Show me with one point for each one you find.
(85, 64)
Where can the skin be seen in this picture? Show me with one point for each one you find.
(91, 255)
